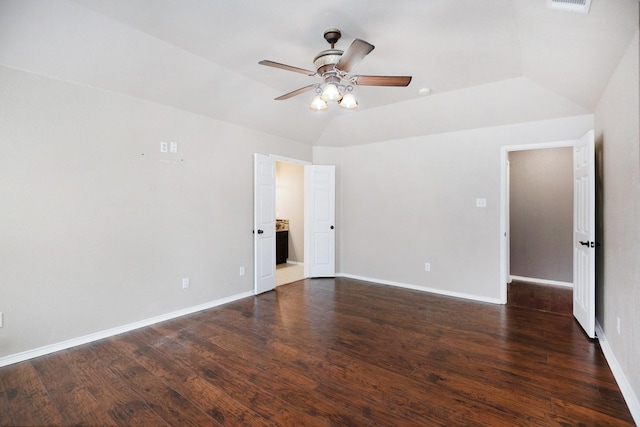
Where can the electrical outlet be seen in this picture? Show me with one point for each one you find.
(427, 266)
(185, 283)
(173, 147)
(618, 324)
(164, 146)
(481, 203)
(242, 271)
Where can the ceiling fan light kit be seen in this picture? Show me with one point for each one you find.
(332, 66)
(348, 101)
(331, 92)
(318, 104)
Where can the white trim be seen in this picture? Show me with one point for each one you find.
(540, 146)
(289, 160)
(542, 281)
(422, 288)
(41, 351)
(504, 224)
(625, 387)
(294, 262)
(504, 203)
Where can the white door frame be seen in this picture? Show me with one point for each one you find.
(504, 205)
(289, 160)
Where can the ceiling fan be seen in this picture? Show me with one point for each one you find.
(333, 67)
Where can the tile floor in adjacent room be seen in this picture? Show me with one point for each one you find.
(289, 273)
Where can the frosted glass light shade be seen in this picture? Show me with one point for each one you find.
(331, 93)
(318, 103)
(349, 102)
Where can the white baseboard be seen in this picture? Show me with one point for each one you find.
(625, 387)
(294, 262)
(422, 288)
(541, 281)
(41, 351)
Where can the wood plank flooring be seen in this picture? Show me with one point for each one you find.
(556, 299)
(328, 352)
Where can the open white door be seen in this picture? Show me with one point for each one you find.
(264, 223)
(320, 240)
(584, 289)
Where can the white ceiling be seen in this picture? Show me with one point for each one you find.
(486, 62)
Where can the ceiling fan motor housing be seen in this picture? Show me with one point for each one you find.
(326, 60)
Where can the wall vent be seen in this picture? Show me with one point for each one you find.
(580, 6)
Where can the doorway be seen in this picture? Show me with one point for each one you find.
(583, 225)
(319, 220)
(289, 222)
(541, 216)
(527, 211)
(541, 229)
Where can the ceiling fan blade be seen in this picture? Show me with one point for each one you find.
(287, 67)
(356, 53)
(381, 80)
(296, 92)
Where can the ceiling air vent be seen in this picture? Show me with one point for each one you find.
(581, 6)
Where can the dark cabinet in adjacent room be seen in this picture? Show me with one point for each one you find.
(282, 246)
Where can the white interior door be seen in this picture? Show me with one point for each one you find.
(264, 223)
(320, 240)
(584, 292)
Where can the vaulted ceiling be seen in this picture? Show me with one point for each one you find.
(486, 63)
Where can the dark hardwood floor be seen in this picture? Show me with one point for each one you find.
(328, 352)
(540, 297)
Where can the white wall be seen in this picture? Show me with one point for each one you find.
(410, 201)
(97, 228)
(618, 286)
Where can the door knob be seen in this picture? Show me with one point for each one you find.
(581, 242)
(332, 227)
(260, 231)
